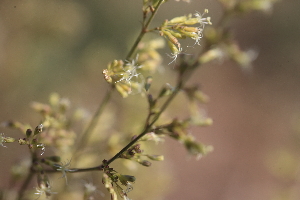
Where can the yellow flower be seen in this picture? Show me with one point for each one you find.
(124, 76)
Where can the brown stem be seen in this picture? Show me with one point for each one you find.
(143, 31)
(25, 185)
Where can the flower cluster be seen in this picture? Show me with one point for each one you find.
(44, 187)
(56, 122)
(183, 27)
(232, 51)
(178, 129)
(148, 55)
(112, 179)
(124, 76)
(197, 115)
(135, 153)
(4, 139)
(32, 139)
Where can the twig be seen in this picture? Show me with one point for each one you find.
(89, 130)
(143, 31)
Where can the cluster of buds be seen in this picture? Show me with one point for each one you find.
(183, 27)
(178, 130)
(153, 137)
(132, 151)
(112, 178)
(135, 153)
(4, 139)
(124, 76)
(232, 51)
(196, 148)
(57, 123)
(31, 139)
(197, 116)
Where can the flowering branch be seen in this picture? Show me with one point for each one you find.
(144, 29)
(126, 76)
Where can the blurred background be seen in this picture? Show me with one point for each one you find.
(63, 46)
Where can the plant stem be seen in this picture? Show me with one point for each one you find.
(89, 130)
(145, 131)
(24, 185)
(148, 126)
(182, 78)
(143, 31)
(29, 176)
(98, 113)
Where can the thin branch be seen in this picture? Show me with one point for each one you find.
(143, 31)
(25, 185)
(148, 127)
(91, 127)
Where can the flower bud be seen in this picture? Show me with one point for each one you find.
(191, 21)
(38, 129)
(172, 40)
(148, 82)
(177, 20)
(151, 101)
(22, 141)
(137, 148)
(126, 178)
(156, 157)
(9, 139)
(123, 89)
(28, 133)
(133, 137)
(165, 91)
(175, 50)
(189, 29)
(206, 122)
(4, 139)
(177, 35)
(146, 163)
(107, 76)
(201, 97)
(196, 148)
